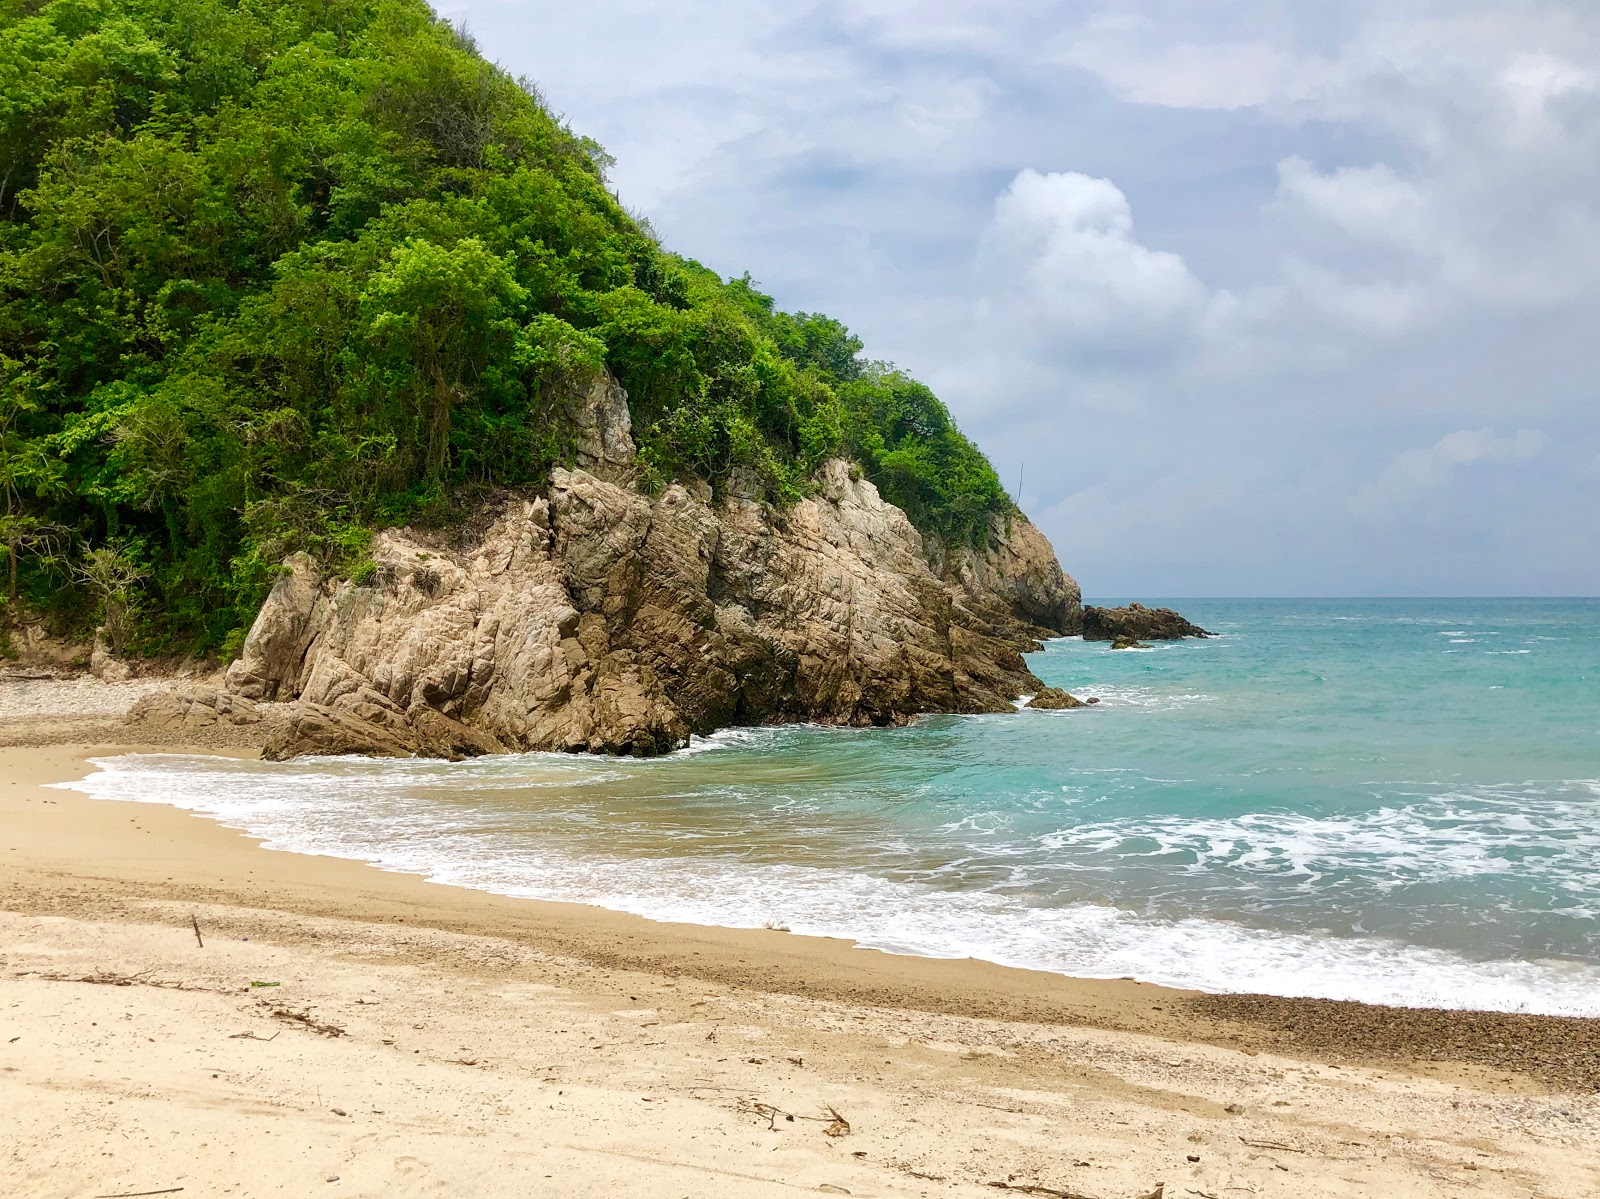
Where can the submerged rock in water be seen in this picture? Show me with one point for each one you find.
(1128, 643)
(1137, 623)
(1054, 699)
(596, 618)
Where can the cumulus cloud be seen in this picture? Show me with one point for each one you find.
(1418, 471)
(1108, 230)
(1137, 60)
(1486, 193)
(1061, 253)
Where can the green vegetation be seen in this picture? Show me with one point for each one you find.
(275, 273)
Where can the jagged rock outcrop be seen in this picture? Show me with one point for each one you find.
(192, 706)
(1054, 699)
(1017, 579)
(1137, 623)
(595, 618)
(1127, 643)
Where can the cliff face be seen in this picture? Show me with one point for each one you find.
(596, 618)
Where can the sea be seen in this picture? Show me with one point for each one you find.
(1393, 800)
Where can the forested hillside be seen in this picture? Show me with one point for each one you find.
(275, 273)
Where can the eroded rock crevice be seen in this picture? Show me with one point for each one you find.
(596, 618)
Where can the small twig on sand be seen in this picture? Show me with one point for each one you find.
(1036, 1190)
(1279, 1145)
(250, 1036)
(764, 1110)
(195, 923)
(838, 1126)
(137, 1194)
(106, 979)
(307, 1020)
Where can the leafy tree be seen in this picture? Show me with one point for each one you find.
(274, 274)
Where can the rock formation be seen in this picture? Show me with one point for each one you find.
(192, 706)
(596, 618)
(1055, 699)
(1137, 623)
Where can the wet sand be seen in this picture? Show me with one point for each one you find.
(431, 1039)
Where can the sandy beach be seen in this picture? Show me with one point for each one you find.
(335, 1029)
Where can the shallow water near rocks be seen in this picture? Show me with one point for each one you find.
(1389, 800)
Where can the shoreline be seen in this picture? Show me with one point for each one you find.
(1483, 1046)
(191, 1004)
(239, 869)
(1205, 959)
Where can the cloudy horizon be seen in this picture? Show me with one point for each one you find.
(1257, 299)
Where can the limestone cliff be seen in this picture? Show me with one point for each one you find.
(594, 617)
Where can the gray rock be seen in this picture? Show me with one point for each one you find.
(269, 666)
(595, 618)
(1137, 623)
(188, 707)
(1054, 699)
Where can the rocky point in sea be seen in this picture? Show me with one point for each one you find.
(594, 617)
(1136, 623)
(1055, 699)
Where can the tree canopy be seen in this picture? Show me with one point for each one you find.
(276, 273)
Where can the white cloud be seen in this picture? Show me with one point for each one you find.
(1061, 254)
(1371, 202)
(1294, 229)
(1419, 471)
(1486, 195)
(1533, 80)
(1132, 58)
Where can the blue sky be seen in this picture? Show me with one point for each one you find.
(1262, 297)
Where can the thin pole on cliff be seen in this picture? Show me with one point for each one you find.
(1017, 499)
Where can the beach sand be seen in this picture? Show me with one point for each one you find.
(428, 1040)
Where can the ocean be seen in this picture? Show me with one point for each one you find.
(1395, 801)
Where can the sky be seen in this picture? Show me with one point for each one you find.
(1262, 297)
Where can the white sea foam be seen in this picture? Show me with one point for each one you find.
(1125, 695)
(397, 815)
(728, 738)
(1441, 838)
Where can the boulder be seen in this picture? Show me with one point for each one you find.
(1052, 699)
(1128, 643)
(270, 664)
(104, 664)
(1137, 623)
(192, 706)
(316, 729)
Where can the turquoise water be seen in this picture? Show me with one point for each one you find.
(1392, 800)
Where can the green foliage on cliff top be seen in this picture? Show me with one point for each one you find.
(274, 273)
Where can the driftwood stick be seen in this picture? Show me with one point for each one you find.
(137, 1194)
(196, 923)
(1037, 1190)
